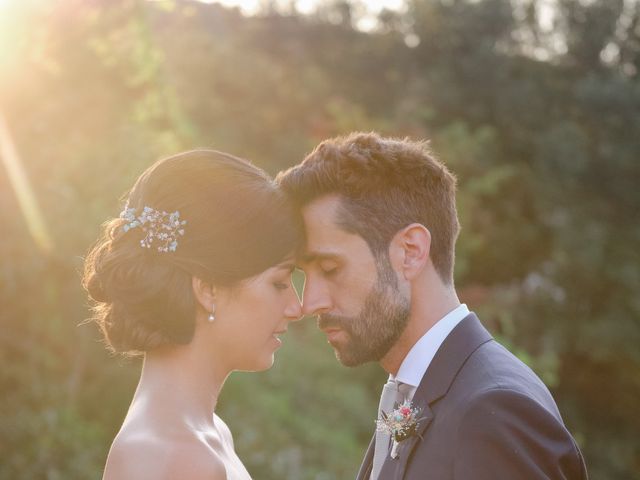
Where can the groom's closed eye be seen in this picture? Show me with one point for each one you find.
(328, 268)
(329, 272)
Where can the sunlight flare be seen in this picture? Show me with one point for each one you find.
(23, 191)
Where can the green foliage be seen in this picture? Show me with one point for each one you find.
(540, 127)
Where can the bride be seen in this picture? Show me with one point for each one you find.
(195, 274)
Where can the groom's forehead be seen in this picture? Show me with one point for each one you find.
(320, 222)
(322, 213)
(333, 245)
(326, 238)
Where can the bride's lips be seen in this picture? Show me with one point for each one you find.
(276, 336)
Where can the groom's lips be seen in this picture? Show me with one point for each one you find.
(332, 334)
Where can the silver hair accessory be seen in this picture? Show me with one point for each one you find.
(162, 227)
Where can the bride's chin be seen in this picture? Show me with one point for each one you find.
(268, 363)
(259, 364)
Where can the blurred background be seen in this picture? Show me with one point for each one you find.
(535, 105)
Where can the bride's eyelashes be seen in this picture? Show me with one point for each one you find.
(282, 284)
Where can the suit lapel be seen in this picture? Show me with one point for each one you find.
(367, 463)
(463, 340)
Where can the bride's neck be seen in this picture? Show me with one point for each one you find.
(180, 384)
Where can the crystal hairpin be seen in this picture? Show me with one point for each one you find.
(160, 226)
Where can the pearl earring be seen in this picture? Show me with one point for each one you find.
(212, 316)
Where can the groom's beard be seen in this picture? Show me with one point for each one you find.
(377, 327)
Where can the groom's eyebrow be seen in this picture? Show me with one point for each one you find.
(309, 257)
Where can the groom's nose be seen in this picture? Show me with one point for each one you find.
(316, 298)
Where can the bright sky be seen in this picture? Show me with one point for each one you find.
(366, 21)
(308, 6)
(545, 8)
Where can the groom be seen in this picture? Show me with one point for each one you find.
(381, 226)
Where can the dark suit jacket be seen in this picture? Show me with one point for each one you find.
(489, 417)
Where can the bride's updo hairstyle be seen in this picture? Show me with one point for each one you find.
(238, 224)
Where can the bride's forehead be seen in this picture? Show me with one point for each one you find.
(287, 265)
(282, 268)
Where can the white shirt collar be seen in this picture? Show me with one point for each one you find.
(415, 364)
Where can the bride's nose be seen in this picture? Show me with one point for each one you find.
(293, 311)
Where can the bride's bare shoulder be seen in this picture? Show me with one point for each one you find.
(142, 457)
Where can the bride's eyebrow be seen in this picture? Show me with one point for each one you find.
(287, 266)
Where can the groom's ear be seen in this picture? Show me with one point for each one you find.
(409, 250)
(204, 293)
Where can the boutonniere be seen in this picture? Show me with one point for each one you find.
(400, 424)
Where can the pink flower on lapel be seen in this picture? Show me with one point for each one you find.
(401, 423)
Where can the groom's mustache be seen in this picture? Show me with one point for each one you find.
(328, 321)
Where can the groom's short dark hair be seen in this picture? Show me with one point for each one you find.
(385, 184)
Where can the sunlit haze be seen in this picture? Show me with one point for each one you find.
(365, 22)
(306, 6)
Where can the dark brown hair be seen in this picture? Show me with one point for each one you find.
(385, 184)
(239, 224)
